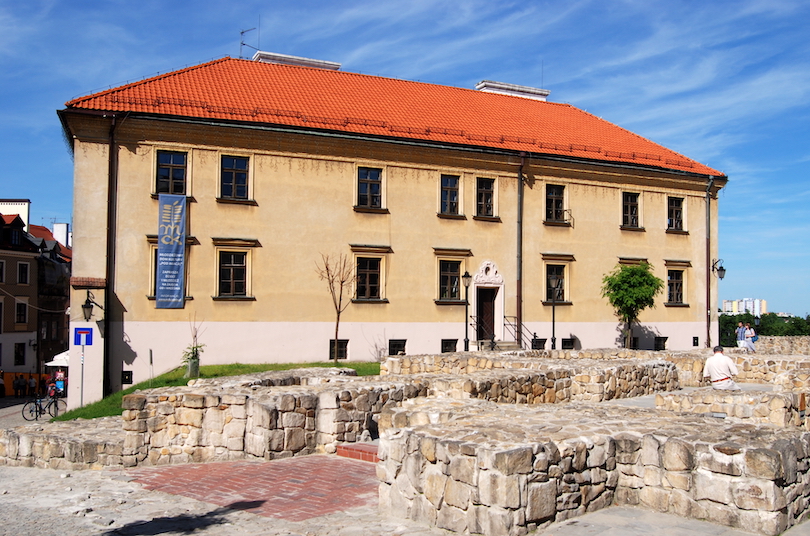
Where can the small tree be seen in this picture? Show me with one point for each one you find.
(630, 289)
(191, 355)
(338, 272)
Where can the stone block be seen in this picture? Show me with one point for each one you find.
(678, 455)
(463, 469)
(763, 463)
(235, 428)
(133, 402)
(712, 486)
(435, 484)
(649, 451)
(752, 494)
(233, 399)
(192, 400)
(542, 501)
(654, 498)
(294, 439)
(213, 420)
(720, 463)
(498, 490)
(457, 494)
(190, 416)
(452, 519)
(678, 480)
(293, 420)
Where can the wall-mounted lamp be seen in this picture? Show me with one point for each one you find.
(467, 278)
(87, 306)
(717, 268)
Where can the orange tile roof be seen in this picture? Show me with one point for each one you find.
(248, 91)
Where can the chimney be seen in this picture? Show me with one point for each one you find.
(284, 59)
(17, 206)
(488, 86)
(61, 233)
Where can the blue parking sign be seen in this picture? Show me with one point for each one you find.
(83, 337)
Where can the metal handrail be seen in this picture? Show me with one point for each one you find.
(511, 325)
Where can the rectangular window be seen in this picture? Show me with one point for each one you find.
(630, 210)
(342, 348)
(449, 274)
(368, 278)
(450, 194)
(22, 273)
(19, 354)
(2, 271)
(675, 286)
(660, 343)
(555, 211)
(21, 313)
(171, 173)
(485, 198)
(234, 177)
(232, 273)
(675, 213)
(555, 271)
(568, 344)
(449, 345)
(369, 187)
(396, 346)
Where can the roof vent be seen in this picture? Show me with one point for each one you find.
(488, 86)
(284, 59)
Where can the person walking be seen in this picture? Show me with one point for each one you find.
(750, 335)
(32, 386)
(740, 331)
(720, 369)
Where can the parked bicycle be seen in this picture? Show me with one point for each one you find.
(34, 409)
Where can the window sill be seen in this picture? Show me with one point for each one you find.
(373, 301)
(370, 210)
(494, 219)
(230, 201)
(451, 216)
(449, 302)
(152, 297)
(635, 229)
(555, 223)
(677, 231)
(676, 304)
(558, 303)
(189, 198)
(233, 298)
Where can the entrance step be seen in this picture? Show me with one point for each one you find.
(366, 452)
(503, 346)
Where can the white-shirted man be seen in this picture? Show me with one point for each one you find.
(720, 368)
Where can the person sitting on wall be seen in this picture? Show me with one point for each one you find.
(720, 368)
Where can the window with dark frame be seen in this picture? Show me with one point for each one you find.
(630, 209)
(450, 194)
(555, 211)
(19, 354)
(369, 187)
(660, 343)
(22, 273)
(342, 348)
(485, 189)
(234, 177)
(396, 346)
(449, 274)
(2, 271)
(21, 313)
(674, 286)
(559, 271)
(171, 173)
(232, 273)
(449, 345)
(368, 278)
(675, 213)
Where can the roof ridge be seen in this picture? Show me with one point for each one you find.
(143, 81)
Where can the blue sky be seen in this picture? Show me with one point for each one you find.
(726, 83)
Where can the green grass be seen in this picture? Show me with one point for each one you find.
(111, 405)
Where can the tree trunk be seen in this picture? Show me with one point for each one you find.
(628, 338)
(335, 347)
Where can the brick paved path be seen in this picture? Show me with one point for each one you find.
(294, 489)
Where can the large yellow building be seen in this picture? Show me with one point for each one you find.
(417, 184)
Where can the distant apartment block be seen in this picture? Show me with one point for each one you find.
(756, 307)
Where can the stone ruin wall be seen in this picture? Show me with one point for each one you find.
(459, 473)
(788, 345)
(782, 409)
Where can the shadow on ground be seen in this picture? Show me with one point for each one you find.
(182, 524)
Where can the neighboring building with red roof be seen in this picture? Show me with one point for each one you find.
(417, 184)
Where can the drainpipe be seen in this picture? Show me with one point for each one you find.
(112, 202)
(709, 262)
(519, 270)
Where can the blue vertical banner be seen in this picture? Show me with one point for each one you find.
(171, 252)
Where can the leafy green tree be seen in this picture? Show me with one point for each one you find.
(630, 289)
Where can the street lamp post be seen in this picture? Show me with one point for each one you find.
(467, 278)
(554, 280)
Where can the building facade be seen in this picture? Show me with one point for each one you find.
(756, 307)
(416, 184)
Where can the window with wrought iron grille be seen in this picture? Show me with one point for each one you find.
(449, 345)
(449, 276)
(368, 278)
(234, 177)
(171, 173)
(232, 273)
(396, 346)
(675, 286)
(485, 198)
(369, 187)
(630, 210)
(555, 209)
(450, 195)
(675, 213)
(342, 348)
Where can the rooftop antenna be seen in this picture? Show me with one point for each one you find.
(242, 43)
